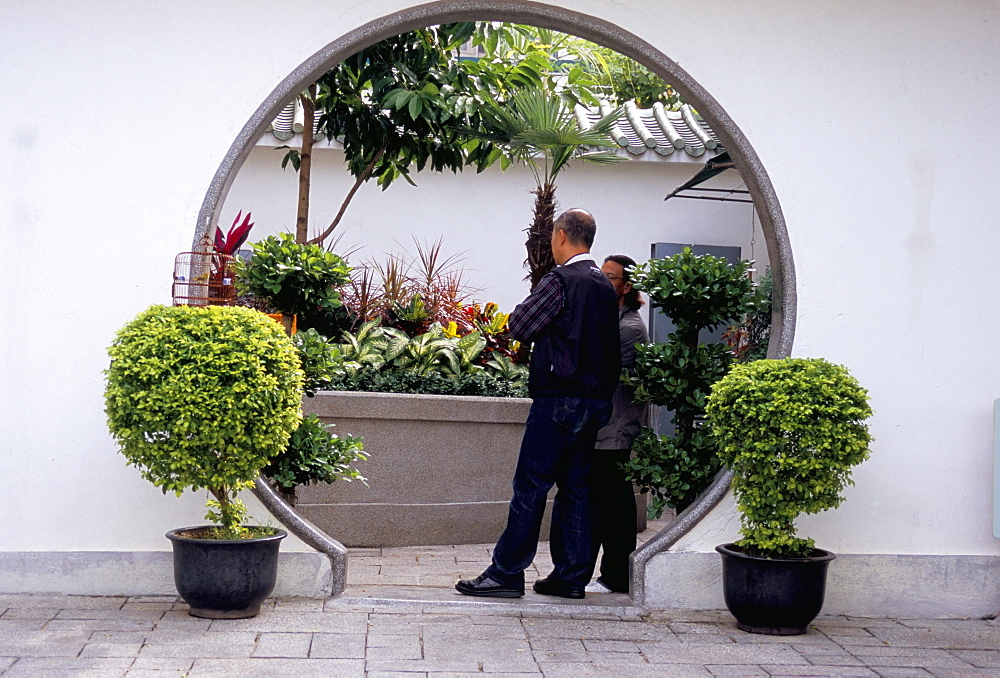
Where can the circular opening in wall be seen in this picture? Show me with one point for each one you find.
(474, 215)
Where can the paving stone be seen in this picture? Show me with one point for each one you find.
(309, 622)
(902, 672)
(812, 671)
(20, 600)
(972, 637)
(89, 625)
(561, 656)
(111, 650)
(99, 667)
(30, 613)
(424, 665)
(227, 668)
(15, 625)
(720, 654)
(943, 672)
(394, 639)
(338, 646)
(979, 658)
(164, 663)
(833, 659)
(576, 670)
(625, 630)
(104, 613)
(118, 637)
(298, 604)
(408, 651)
(294, 645)
(597, 645)
(157, 673)
(734, 671)
(6, 662)
(919, 661)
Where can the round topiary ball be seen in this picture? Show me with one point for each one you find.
(202, 396)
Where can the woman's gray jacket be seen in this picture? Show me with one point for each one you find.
(626, 417)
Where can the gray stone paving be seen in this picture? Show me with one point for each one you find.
(352, 636)
(401, 617)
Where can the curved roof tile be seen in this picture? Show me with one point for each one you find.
(650, 133)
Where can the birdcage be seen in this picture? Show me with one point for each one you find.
(204, 277)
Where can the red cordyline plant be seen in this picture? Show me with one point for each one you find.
(226, 246)
(230, 242)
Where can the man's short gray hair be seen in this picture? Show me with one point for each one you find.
(579, 226)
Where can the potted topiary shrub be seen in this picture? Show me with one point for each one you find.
(203, 397)
(790, 430)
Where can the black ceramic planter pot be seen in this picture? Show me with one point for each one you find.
(224, 579)
(776, 596)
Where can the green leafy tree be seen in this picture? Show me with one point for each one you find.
(698, 293)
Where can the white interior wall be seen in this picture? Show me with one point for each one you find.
(874, 122)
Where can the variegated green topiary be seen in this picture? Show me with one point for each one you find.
(203, 397)
(791, 431)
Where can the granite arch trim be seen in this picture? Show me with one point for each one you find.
(605, 33)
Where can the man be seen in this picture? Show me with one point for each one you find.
(572, 319)
(612, 498)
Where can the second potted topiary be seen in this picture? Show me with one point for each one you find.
(202, 398)
(790, 430)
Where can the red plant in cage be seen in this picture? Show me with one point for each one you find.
(204, 276)
(226, 246)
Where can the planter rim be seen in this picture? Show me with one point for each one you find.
(175, 535)
(729, 550)
(343, 405)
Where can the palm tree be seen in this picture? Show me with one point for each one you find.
(540, 131)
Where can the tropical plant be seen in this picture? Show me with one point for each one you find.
(202, 397)
(790, 430)
(697, 293)
(315, 455)
(297, 279)
(540, 131)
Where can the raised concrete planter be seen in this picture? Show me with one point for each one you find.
(439, 473)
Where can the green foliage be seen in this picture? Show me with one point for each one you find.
(790, 430)
(672, 473)
(434, 383)
(202, 397)
(298, 279)
(697, 293)
(676, 376)
(321, 360)
(316, 455)
(749, 339)
(380, 358)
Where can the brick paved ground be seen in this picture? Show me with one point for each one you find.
(401, 617)
(154, 636)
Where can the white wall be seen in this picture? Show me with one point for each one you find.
(482, 217)
(875, 122)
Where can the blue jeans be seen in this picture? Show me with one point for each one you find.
(558, 441)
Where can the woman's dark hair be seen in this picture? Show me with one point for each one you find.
(632, 299)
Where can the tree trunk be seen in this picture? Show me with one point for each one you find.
(539, 242)
(305, 164)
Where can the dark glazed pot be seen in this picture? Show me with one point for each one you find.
(776, 596)
(224, 579)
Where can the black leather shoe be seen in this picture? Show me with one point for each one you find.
(548, 586)
(488, 588)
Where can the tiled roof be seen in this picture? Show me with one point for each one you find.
(647, 133)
